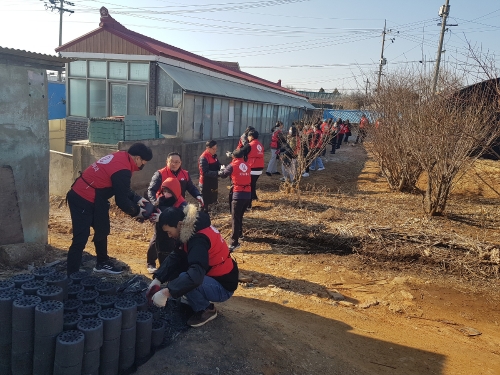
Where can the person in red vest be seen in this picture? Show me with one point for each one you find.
(255, 162)
(200, 271)
(174, 169)
(240, 195)
(89, 206)
(209, 167)
(160, 244)
(316, 148)
(363, 125)
(276, 139)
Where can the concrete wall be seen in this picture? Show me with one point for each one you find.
(60, 173)
(24, 144)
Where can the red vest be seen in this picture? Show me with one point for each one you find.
(256, 154)
(241, 176)
(98, 175)
(182, 176)
(218, 255)
(210, 159)
(274, 138)
(363, 122)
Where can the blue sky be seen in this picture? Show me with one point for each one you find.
(307, 44)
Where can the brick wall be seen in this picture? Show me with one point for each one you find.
(76, 129)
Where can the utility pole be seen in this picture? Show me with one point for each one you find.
(443, 13)
(383, 61)
(52, 5)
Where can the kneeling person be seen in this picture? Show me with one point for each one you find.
(201, 269)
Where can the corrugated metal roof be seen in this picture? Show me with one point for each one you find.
(352, 115)
(39, 60)
(199, 83)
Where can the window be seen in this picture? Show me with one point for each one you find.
(139, 72)
(207, 118)
(93, 90)
(97, 69)
(216, 119)
(78, 69)
(137, 100)
(97, 98)
(198, 118)
(118, 70)
(78, 97)
(169, 122)
(118, 98)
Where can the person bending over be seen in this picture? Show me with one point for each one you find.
(200, 269)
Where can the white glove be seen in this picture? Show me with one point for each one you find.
(199, 198)
(142, 202)
(229, 154)
(153, 283)
(160, 298)
(140, 214)
(155, 217)
(222, 167)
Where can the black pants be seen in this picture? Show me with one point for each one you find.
(238, 208)
(82, 218)
(253, 185)
(339, 140)
(160, 246)
(305, 151)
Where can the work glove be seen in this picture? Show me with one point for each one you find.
(153, 288)
(141, 202)
(155, 216)
(229, 154)
(160, 299)
(199, 198)
(140, 215)
(222, 167)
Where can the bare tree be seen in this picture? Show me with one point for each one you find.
(440, 135)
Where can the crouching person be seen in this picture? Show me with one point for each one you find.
(201, 269)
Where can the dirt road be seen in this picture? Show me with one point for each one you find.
(308, 308)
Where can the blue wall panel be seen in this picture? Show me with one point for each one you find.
(57, 100)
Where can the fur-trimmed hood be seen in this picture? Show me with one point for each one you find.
(194, 221)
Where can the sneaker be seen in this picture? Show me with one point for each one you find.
(321, 169)
(151, 268)
(233, 247)
(305, 174)
(107, 267)
(277, 173)
(269, 174)
(283, 179)
(312, 169)
(201, 317)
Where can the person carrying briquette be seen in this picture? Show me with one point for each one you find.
(288, 155)
(160, 244)
(89, 206)
(240, 193)
(276, 139)
(363, 125)
(209, 167)
(255, 162)
(315, 146)
(244, 137)
(173, 168)
(200, 270)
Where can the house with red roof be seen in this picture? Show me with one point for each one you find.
(119, 72)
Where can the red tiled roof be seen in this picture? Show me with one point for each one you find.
(158, 48)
